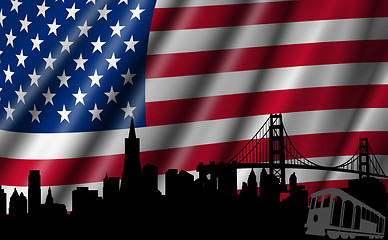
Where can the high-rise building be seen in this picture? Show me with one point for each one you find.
(131, 177)
(17, 204)
(111, 189)
(85, 202)
(34, 192)
(252, 185)
(51, 209)
(150, 182)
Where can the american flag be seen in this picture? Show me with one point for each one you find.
(199, 77)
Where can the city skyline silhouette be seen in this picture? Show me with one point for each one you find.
(211, 199)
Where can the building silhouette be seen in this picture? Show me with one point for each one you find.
(34, 192)
(50, 209)
(86, 202)
(131, 177)
(17, 204)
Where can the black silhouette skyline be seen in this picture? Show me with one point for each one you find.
(210, 200)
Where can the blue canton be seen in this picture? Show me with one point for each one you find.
(74, 65)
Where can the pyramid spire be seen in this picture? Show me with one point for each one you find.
(132, 133)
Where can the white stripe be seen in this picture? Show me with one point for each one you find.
(75, 145)
(176, 41)
(204, 3)
(217, 84)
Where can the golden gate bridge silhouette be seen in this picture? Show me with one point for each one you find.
(272, 148)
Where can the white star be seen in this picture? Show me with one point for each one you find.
(116, 29)
(25, 24)
(113, 61)
(63, 79)
(96, 112)
(2, 17)
(128, 77)
(34, 78)
(10, 38)
(136, 12)
(66, 44)
(111, 95)
(128, 110)
(93, 1)
(9, 111)
(84, 29)
(15, 5)
(8, 75)
(21, 58)
(42, 9)
(35, 114)
(36, 42)
(53, 27)
(98, 45)
(21, 95)
(80, 62)
(95, 79)
(130, 44)
(124, 1)
(104, 13)
(64, 114)
(71, 11)
(79, 97)
(49, 97)
(49, 61)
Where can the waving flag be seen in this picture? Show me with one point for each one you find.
(199, 80)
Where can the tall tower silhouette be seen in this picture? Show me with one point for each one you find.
(34, 192)
(131, 177)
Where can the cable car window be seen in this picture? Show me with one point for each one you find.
(348, 214)
(312, 204)
(363, 213)
(319, 200)
(357, 218)
(367, 215)
(336, 215)
(326, 201)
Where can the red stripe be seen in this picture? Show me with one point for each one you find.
(14, 172)
(181, 64)
(263, 13)
(261, 103)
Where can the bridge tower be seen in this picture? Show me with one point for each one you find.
(363, 158)
(276, 150)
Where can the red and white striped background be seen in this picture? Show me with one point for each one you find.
(215, 70)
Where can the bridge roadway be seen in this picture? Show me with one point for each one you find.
(213, 167)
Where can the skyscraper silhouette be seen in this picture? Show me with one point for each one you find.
(34, 192)
(17, 204)
(131, 177)
(51, 209)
